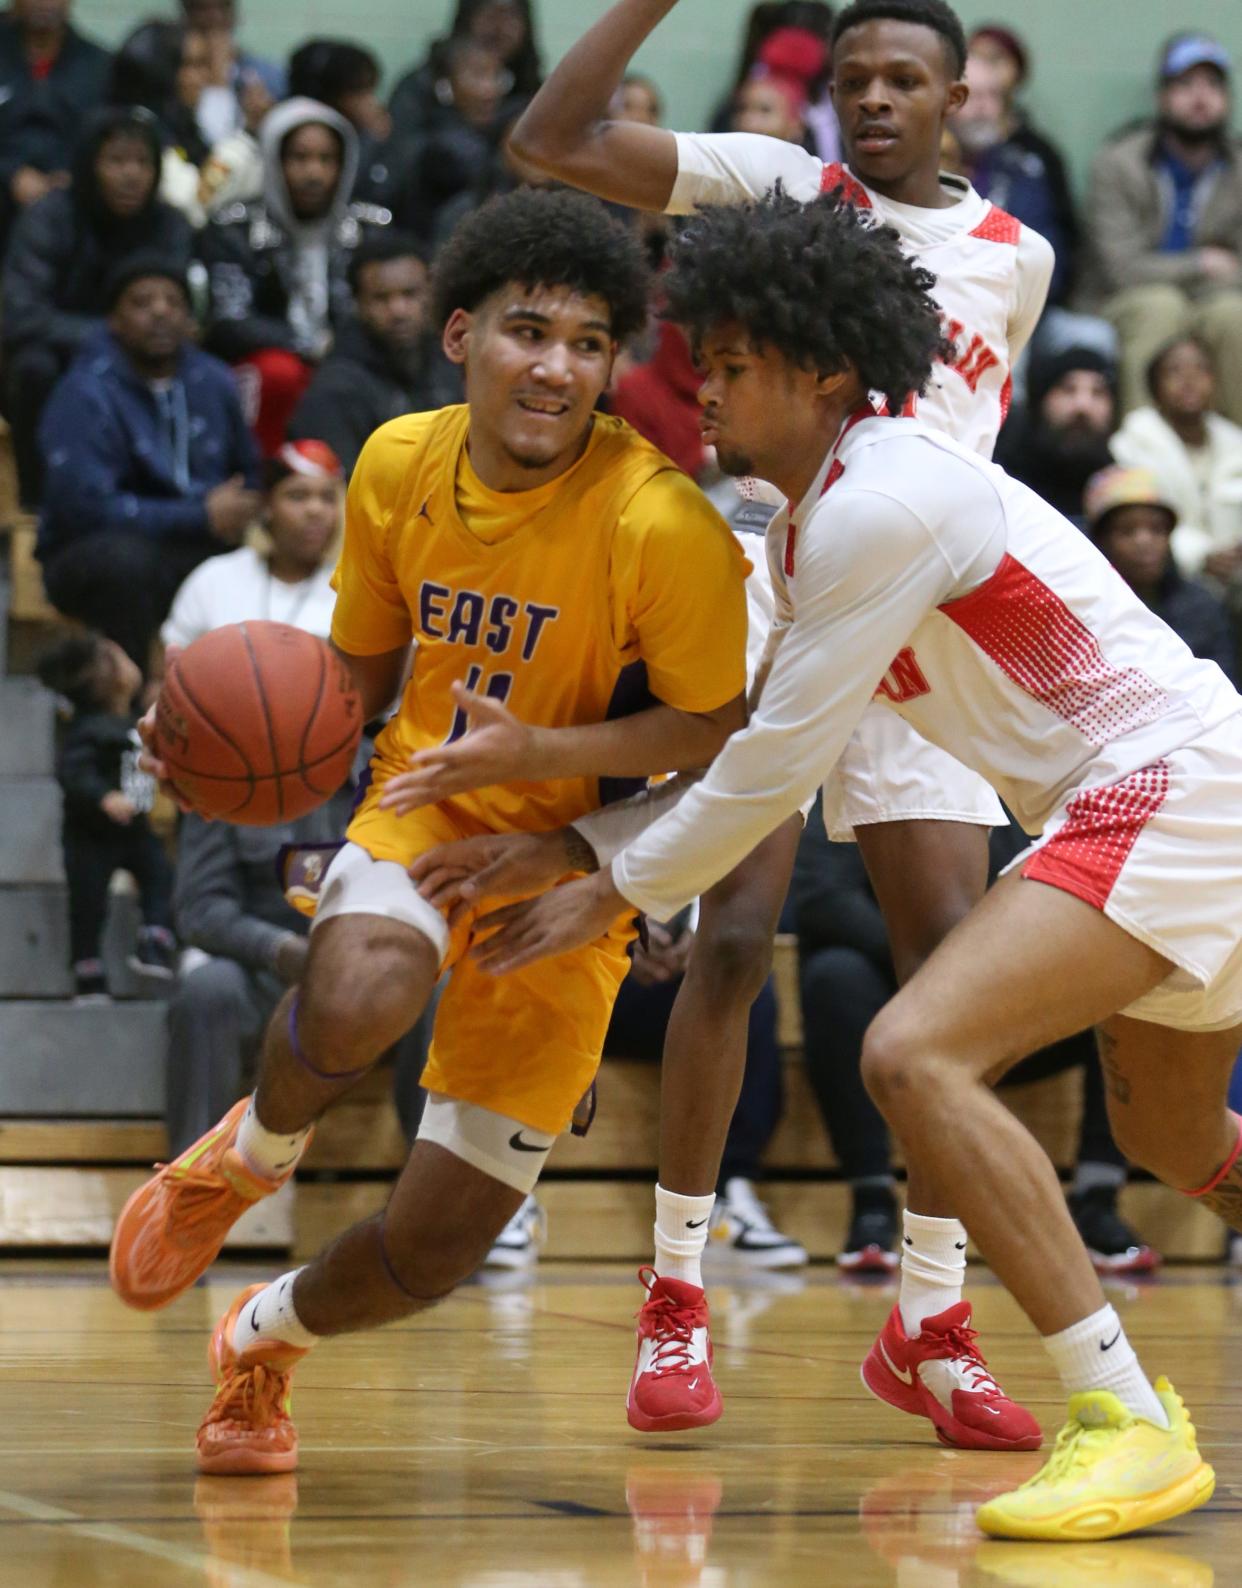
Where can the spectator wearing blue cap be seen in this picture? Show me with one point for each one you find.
(1165, 222)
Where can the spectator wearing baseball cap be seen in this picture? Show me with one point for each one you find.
(284, 575)
(1131, 520)
(1165, 222)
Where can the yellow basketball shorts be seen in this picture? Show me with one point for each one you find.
(526, 1044)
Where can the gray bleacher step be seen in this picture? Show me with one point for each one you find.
(34, 942)
(81, 1060)
(27, 721)
(30, 830)
(5, 598)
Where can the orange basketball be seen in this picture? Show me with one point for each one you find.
(257, 723)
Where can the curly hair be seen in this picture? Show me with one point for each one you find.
(933, 14)
(544, 237)
(817, 282)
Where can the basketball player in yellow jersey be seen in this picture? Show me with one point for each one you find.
(536, 554)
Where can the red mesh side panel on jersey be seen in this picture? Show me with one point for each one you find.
(999, 226)
(1046, 650)
(852, 190)
(1085, 856)
(1006, 397)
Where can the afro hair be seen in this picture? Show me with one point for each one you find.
(819, 283)
(544, 237)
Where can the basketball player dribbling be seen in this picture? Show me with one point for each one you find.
(535, 552)
(919, 817)
(1040, 669)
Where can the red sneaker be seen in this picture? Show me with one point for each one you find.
(941, 1375)
(672, 1385)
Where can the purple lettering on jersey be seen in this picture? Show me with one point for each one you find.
(905, 679)
(431, 605)
(536, 617)
(500, 618)
(467, 618)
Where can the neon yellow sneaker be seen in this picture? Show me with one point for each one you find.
(1109, 1473)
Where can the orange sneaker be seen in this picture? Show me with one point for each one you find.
(172, 1228)
(247, 1429)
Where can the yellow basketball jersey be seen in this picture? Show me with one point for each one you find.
(613, 587)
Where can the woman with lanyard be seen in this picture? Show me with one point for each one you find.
(289, 580)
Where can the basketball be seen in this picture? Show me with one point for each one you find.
(257, 723)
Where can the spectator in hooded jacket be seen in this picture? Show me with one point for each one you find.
(1061, 437)
(50, 78)
(346, 78)
(60, 255)
(386, 360)
(278, 268)
(150, 467)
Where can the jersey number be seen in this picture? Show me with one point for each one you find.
(497, 688)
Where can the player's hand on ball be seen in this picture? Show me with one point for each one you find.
(456, 877)
(150, 762)
(568, 917)
(496, 748)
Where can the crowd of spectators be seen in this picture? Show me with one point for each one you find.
(215, 286)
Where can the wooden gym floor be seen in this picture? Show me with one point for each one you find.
(485, 1444)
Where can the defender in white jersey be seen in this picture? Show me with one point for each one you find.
(1022, 652)
(919, 816)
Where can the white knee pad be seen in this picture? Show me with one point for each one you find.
(493, 1144)
(358, 884)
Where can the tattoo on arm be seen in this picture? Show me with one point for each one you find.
(580, 854)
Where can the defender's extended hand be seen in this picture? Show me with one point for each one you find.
(567, 917)
(457, 877)
(495, 748)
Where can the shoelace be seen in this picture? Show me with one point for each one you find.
(964, 1351)
(1075, 1443)
(199, 1194)
(675, 1328)
(254, 1397)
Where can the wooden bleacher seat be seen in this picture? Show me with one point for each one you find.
(28, 599)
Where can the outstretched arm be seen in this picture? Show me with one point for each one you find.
(565, 131)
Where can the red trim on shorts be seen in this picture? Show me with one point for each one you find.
(852, 191)
(1050, 653)
(1225, 1167)
(999, 226)
(1085, 855)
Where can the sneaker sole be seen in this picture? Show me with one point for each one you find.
(871, 1260)
(911, 1402)
(1102, 1518)
(510, 1260)
(244, 1463)
(674, 1422)
(756, 1258)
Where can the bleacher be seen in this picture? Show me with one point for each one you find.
(82, 1086)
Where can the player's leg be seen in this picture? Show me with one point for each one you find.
(512, 1057)
(442, 1217)
(927, 876)
(973, 1010)
(367, 978)
(704, 1061)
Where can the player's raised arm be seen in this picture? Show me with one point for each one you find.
(566, 131)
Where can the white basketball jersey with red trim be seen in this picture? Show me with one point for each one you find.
(976, 288)
(992, 273)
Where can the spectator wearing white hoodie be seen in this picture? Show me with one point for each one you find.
(1196, 454)
(278, 266)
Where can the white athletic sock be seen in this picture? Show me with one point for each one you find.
(1095, 1354)
(267, 1152)
(933, 1265)
(681, 1234)
(270, 1316)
